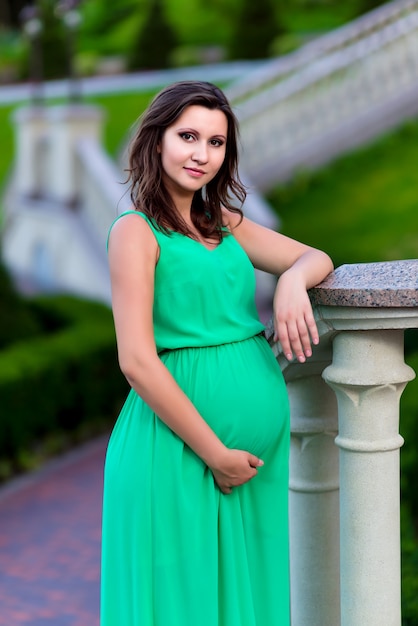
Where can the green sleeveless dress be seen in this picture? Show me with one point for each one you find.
(175, 550)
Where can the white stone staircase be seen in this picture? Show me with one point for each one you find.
(333, 94)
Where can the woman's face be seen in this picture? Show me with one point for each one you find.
(193, 150)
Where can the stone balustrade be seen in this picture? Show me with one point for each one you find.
(340, 39)
(344, 465)
(330, 96)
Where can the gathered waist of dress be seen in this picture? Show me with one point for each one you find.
(216, 345)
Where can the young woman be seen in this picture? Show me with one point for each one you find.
(195, 528)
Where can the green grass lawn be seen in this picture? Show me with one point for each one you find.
(362, 208)
(6, 142)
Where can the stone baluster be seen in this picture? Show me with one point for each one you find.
(313, 488)
(30, 135)
(313, 503)
(368, 374)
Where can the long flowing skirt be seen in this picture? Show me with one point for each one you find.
(176, 551)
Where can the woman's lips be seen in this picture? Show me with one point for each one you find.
(194, 172)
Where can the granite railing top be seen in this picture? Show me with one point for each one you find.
(384, 285)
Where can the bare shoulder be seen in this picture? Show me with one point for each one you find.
(131, 234)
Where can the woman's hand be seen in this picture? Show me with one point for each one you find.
(294, 323)
(235, 468)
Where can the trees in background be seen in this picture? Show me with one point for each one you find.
(255, 29)
(148, 34)
(369, 5)
(53, 42)
(49, 45)
(154, 42)
(10, 11)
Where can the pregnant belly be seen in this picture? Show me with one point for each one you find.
(239, 390)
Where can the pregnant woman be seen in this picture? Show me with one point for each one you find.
(195, 529)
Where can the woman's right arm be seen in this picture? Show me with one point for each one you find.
(133, 254)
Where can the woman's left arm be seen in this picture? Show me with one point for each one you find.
(299, 268)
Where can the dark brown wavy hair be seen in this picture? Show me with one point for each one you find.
(148, 192)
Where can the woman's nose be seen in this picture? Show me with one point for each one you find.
(200, 153)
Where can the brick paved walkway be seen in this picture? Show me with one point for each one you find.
(50, 542)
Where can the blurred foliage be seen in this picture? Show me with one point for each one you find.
(361, 208)
(409, 427)
(17, 321)
(255, 28)
(369, 5)
(193, 24)
(10, 11)
(109, 32)
(409, 568)
(154, 42)
(12, 49)
(53, 42)
(6, 142)
(53, 53)
(56, 381)
(409, 471)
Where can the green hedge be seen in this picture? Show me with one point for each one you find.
(409, 467)
(17, 320)
(58, 380)
(409, 568)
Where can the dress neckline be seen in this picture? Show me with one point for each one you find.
(199, 243)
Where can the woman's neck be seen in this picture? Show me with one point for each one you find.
(184, 208)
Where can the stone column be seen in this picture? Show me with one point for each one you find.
(313, 487)
(66, 125)
(313, 503)
(368, 374)
(30, 137)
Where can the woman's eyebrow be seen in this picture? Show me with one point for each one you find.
(196, 132)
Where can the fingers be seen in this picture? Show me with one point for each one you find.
(294, 322)
(296, 336)
(254, 461)
(227, 488)
(245, 467)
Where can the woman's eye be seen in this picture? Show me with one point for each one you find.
(186, 136)
(216, 142)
